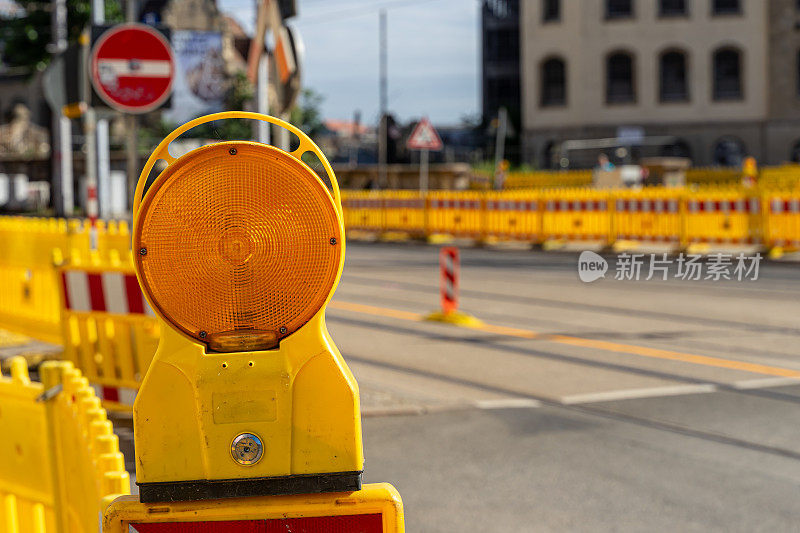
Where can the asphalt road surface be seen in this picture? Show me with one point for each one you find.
(613, 405)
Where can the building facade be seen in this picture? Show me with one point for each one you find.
(500, 65)
(712, 80)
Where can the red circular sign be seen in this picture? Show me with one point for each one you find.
(132, 68)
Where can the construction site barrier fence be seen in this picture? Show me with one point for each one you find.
(61, 460)
(677, 217)
(27, 278)
(32, 269)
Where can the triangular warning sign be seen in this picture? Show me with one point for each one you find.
(424, 137)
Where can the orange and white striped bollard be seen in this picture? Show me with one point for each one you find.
(449, 264)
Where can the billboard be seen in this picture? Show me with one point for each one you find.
(200, 81)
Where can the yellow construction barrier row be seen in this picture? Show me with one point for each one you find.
(678, 217)
(61, 463)
(27, 280)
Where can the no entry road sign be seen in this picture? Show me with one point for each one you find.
(132, 68)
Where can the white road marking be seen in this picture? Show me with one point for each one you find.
(761, 383)
(507, 403)
(630, 394)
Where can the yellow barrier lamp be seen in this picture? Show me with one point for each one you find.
(238, 248)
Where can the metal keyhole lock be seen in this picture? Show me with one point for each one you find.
(247, 449)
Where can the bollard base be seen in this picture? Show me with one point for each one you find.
(439, 238)
(775, 252)
(205, 489)
(456, 318)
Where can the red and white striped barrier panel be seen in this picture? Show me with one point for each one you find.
(656, 205)
(781, 206)
(120, 395)
(404, 203)
(512, 205)
(103, 292)
(362, 203)
(446, 203)
(449, 265)
(742, 205)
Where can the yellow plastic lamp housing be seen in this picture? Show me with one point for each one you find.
(238, 245)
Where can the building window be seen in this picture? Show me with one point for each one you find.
(794, 156)
(729, 152)
(554, 82)
(673, 86)
(619, 79)
(619, 9)
(551, 10)
(672, 8)
(727, 7)
(727, 74)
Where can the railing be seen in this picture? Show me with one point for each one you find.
(61, 461)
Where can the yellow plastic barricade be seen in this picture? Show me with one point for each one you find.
(113, 236)
(783, 220)
(363, 210)
(404, 211)
(648, 215)
(550, 179)
(781, 178)
(27, 283)
(581, 214)
(513, 216)
(109, 331)
(459, 214)
(723, 217)
(61, 460)
(28, 286)
(714, 176)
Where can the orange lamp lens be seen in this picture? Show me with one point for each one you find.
(238, 245)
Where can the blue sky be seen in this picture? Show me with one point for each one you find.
(433, 55)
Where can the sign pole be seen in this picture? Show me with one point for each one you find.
(90, 161)
(500, 144)
(424, 138)
(131, 127)
(262, 99)
(101, 133)
(382, 124)
(63, 201)
(423, 171)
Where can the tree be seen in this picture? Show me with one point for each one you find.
(24, 38)
(307, 114)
